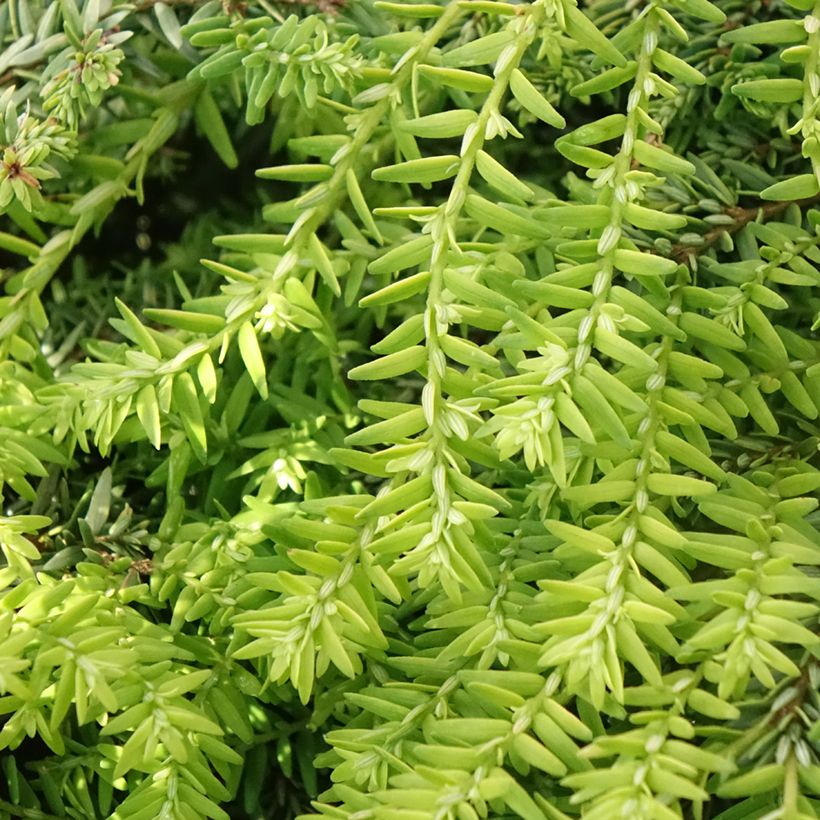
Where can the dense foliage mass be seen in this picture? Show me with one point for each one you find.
(410, 409)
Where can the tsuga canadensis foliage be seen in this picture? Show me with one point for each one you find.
(409, 410)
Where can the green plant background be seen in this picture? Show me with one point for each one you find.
(409, 410)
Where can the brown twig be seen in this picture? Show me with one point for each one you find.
(742, 217)
(801, 686)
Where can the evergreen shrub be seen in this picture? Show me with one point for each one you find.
(409, 410)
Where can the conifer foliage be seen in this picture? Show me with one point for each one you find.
(410, 409)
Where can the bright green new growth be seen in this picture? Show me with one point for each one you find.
(473, 470)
